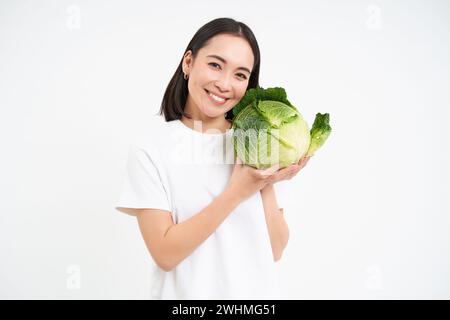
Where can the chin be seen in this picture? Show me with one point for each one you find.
(214, 112)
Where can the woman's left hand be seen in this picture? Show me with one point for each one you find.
(290, 171)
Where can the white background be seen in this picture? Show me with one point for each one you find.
(368, 215)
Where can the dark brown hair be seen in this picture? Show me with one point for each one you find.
(174, 100)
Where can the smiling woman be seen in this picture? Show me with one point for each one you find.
(206, 225)
(223, 60)
(217, 81)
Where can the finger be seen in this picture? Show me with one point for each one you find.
(288, 177)
(293, 174)
(283, 173)
(270, 171)
(277, 176)
(270, 179)
(303, 161)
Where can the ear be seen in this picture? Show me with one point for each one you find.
(187, 61)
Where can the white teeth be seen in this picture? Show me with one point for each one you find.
(218, 99)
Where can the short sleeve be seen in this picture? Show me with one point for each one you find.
(142, 186)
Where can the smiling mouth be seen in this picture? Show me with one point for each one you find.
(217, 99)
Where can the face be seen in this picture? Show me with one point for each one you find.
(219, 75)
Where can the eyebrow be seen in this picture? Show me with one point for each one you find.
(224, 61)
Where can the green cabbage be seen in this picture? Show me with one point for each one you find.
(268, 129)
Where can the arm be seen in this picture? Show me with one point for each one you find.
(276, 224)
(170, 243)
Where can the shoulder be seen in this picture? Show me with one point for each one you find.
(155, 136)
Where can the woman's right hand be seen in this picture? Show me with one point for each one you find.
(246, 180)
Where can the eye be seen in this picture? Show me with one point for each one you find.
(213, 64)
(242, 76)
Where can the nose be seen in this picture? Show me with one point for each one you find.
(223, 83)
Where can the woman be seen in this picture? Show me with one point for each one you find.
(211, 224)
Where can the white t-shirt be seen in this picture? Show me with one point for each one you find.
(178, 169)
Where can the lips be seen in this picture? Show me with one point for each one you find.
(217, 102)
(218, 95)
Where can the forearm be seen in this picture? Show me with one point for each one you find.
(276, 224)
(183, 238)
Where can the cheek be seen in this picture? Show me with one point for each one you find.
(200, 76)
(207, 75)
(240, 90)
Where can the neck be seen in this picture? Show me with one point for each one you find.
(207, 123)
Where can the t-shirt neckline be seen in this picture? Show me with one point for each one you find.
(202, 134)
